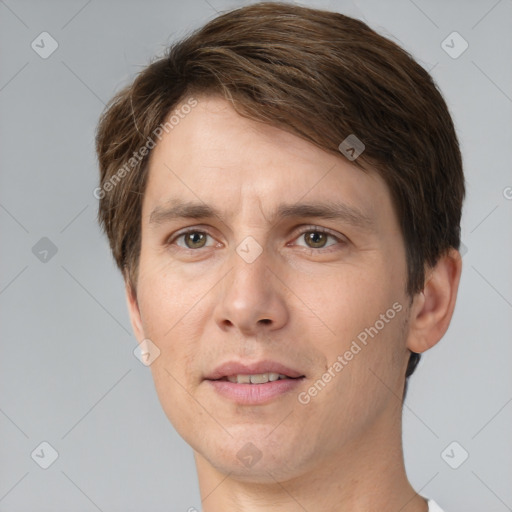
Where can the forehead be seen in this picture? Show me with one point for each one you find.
(225, 161)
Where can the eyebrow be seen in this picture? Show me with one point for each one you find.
(328, 210)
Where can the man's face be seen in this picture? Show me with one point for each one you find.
(272, 286)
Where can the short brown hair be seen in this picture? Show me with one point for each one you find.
(318, 74)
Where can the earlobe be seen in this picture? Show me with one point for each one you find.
(134, 311)
(432, 308)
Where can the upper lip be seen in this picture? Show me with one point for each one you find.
(237, 368)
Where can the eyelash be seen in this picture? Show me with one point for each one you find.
(308, 229)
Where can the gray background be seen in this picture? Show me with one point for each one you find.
(68, 373)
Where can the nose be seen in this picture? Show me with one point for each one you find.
(252, 298)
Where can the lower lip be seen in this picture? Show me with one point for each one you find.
(254, 394)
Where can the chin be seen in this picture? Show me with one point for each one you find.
(255, 458)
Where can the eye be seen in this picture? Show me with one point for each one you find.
(317, 238)
(192, 239)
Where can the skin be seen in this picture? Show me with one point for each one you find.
(297, 303)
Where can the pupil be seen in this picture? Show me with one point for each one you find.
(196, 239)
(316, 238)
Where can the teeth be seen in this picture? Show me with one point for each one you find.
(260, 378)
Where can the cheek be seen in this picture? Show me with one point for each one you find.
(167, 324)
(360, 316)
(346, 300)
(167, 308)
(165, 297)
(363, 373)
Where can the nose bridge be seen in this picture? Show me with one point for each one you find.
(250, 281)
(250, 259)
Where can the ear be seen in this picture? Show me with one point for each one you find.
(134, 312)
(432, 308)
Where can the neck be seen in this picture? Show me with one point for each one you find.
(368, 474)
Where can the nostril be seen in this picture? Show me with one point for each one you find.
(265, 321)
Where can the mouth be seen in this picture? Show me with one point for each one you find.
(259, 372)
(254, 384)
(258, 378)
